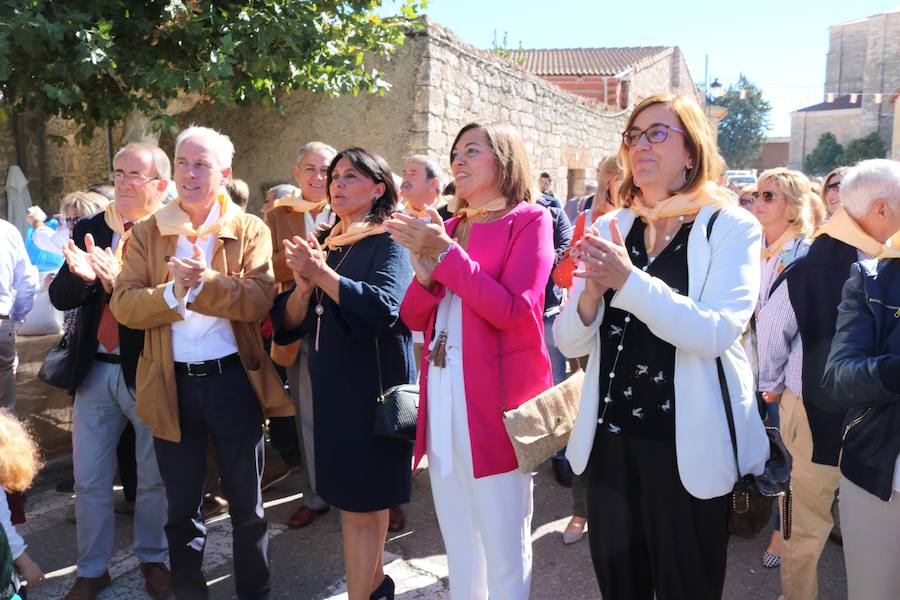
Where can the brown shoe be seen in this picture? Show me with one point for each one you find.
(304, 516)
(157, 580)
(87, 588)
(213, 507)
(396, 519)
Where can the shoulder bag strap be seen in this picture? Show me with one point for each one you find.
(378, 363)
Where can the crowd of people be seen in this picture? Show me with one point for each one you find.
(200, 327)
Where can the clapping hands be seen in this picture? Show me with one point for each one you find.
(92, 263)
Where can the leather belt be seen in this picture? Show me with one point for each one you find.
(114, 359)
(207, 367)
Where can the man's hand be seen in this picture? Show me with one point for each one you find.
(29, 570)
(79, 261)
(106, 267)
(187, 273)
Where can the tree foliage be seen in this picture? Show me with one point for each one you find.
(827, 155)
(743, 130)
(869, 146)
(95, 62)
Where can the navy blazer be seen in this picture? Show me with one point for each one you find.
(69, 291)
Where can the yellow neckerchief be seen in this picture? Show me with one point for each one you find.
(774, 249)
(297, 203)
(355, 232)
(679, 205)
(114, 221)
(467, 212)
(842, 227)
(894, 242)
(173, 220)
(408, 207)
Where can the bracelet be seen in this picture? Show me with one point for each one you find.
(441, 256)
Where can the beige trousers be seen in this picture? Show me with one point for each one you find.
(813, 487)
(871, 529)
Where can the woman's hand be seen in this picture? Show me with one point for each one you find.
(306, 259)
(607, 264)
(426, 238)
(424, 267)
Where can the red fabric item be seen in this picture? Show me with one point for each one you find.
(108, 331)
(16, 502)
(563, 273)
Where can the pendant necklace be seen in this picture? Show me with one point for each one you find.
(320, 296)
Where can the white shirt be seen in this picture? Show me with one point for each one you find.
(198, 337)
(49, 240)
(19, 280)
(325, 216)
(16, 543)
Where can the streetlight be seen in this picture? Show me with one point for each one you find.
(716, 88)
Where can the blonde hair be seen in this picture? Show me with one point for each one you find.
(747, 189)
(87, 204)
(19, 457)
(803, 204)
(516, 176)
(699, 138)
(609, 169)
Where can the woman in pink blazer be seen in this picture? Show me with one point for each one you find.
(478, 295)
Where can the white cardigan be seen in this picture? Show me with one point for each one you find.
(723, 285)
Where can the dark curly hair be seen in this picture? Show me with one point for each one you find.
(377, 169)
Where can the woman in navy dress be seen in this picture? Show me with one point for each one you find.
(345, 304)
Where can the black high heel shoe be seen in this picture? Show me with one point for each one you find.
(385, 591)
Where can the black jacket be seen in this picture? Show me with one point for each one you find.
(814, 288)
(562, 238)
(68, 291)
(863, 374)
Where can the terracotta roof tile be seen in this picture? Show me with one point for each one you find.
(587, 61)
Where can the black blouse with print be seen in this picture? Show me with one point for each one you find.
(637, 369)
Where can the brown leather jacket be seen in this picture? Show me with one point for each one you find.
(237, 286)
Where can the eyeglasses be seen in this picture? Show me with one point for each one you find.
(656, 134)
(833, 187)
(135, 178)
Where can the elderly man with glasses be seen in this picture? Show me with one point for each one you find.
(102, 363)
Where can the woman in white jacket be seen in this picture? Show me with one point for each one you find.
(658, 299)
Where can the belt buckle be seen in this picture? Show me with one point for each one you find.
(191, 373)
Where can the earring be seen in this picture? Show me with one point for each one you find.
(686, 173)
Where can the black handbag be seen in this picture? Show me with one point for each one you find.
(752, 497)
(396, 409)
(55, 368)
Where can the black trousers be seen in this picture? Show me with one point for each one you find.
(224, 408)
(647, 533)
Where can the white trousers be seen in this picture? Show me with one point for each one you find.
(485, 523)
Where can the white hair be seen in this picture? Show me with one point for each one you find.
(160, 159)
(868, 181)
(320, 147)
(220, 142)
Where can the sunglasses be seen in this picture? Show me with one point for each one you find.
(768, 197)
(833, 187)
(656, 134)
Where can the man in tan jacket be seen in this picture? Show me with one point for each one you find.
(198, 279)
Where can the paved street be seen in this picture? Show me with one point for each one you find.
(307, 564)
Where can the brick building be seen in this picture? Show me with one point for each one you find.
(617, 78)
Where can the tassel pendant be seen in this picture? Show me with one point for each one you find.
(319, 311)
(438, 356)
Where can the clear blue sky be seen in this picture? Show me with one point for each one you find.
(779, 45)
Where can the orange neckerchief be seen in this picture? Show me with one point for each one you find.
(679, 205)
(774, 249)
(408, 207)
(297, 203)
(341, 235)
(468, 212)
(114, 221)
(173, 220)
(842, 227)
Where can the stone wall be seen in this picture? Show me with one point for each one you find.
(881, 73)
(53, 170)
(846, 54)
(439, 84)
(668, 73)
